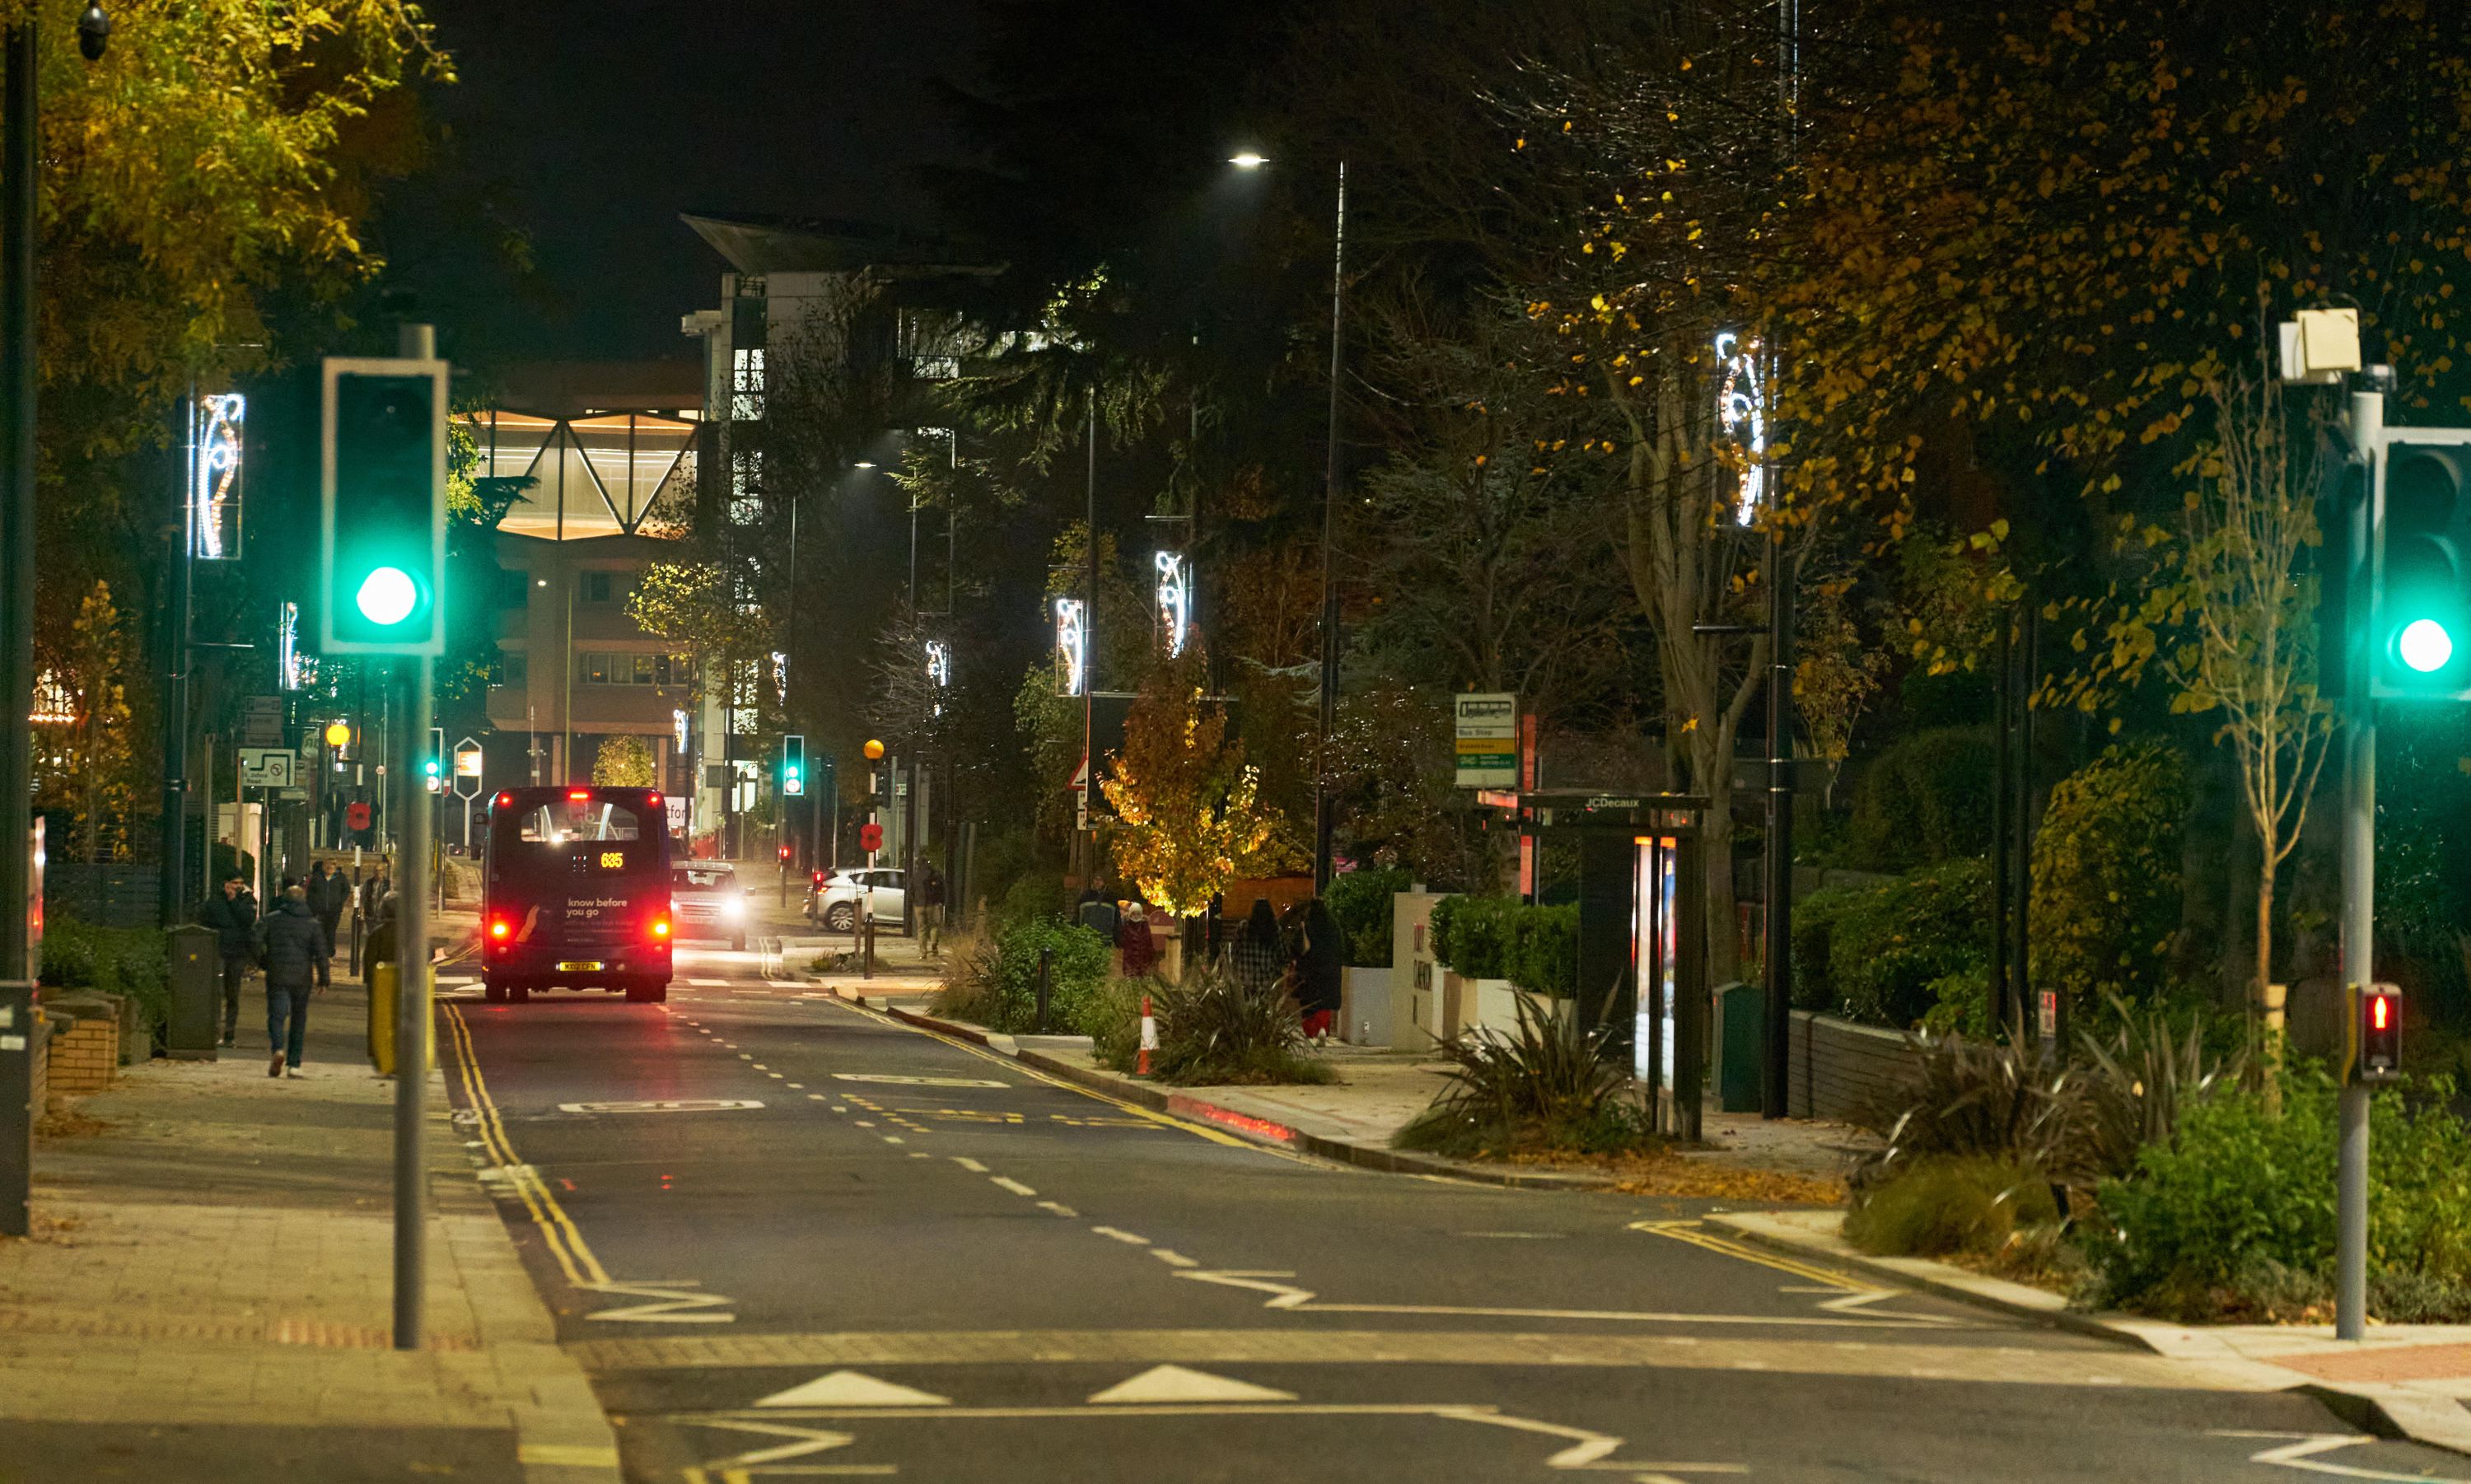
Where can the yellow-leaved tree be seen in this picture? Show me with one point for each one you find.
(1188, 807)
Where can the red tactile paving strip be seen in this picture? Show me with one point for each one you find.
(2395, 1363)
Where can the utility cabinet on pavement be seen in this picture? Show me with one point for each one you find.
(1741, 1035)
(189, 1028)
(384, 1007)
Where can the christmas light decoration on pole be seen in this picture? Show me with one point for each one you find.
(1072, 646)
(1742, 412)
(1174, 600)
(939, 672)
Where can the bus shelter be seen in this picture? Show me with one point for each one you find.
(1643, 930)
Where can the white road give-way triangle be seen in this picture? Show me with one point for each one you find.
(850, 1388)
(1175, 1383)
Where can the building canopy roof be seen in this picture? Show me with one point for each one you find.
(758, 244)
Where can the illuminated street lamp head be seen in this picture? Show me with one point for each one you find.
(873, 749)
(1247, 160)
(863, 463)
(338, 734)
(2425, 646)
(386, 596)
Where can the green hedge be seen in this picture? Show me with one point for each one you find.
(1361, 900)
(1879, 953)
(1535, 948)
(1083, 961)
(1927, 799)
(130, 962)
(2107, 882)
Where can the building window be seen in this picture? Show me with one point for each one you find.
(597, 587)
(745, 485)
(514, 587)
(507, 670)
(643, 669)
(746, 385)
(596, 669)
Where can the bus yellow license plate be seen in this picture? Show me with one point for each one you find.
(578, 965)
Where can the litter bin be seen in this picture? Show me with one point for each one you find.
(1741, 1026)
(189, 1028)
(382, 1001)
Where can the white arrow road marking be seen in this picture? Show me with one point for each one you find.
(2299, 1450)
(810, 1440)
(1289, 1297)
(1175, 1383)
(672, 1303)
(1584, 1450)
(852, 1388)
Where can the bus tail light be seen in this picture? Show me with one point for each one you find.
(578, 795)
(500, 929)
(661, 928)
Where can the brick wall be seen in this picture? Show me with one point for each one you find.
(85, 1052)
(1844, 1071)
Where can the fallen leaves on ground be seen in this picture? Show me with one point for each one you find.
(1664, 1172)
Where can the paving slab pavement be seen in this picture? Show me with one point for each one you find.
(207, 1291)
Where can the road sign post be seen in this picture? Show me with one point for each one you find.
(468, 759)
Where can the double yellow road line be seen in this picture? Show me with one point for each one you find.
(558, 1231)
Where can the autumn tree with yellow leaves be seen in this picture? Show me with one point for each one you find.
(1188, 810)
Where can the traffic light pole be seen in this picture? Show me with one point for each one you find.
(411, 1018)
(411, 975)
(2359, 864)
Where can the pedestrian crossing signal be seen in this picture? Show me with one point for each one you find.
(793, 766)
(2376, 1034)
(382, 487)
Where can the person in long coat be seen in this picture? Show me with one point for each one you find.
(1320, 969)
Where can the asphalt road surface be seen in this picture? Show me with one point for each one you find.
(789, 1238)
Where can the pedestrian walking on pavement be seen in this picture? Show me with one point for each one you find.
(1321, 970)
(1133, 940)
(1260, 956)
(295, 966)
(380, 948)
(328, 895)
(375, 891)
(232, 913)
(930, 911)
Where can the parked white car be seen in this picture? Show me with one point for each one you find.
(835, 900)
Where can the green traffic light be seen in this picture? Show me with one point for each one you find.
(2425, 646)
(386, 596)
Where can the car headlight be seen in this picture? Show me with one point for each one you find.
(733, 907)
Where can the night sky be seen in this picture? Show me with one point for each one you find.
(591, 125)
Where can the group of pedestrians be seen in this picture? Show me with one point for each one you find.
(1304, 956)
(292, 942)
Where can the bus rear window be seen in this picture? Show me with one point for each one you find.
(575, 821)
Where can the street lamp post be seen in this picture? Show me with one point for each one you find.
(1324, 801)
(17, 140)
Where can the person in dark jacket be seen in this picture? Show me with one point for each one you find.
(232, 912)
(295, 961)
(1320, 966)
(328, 895)
(1260, 956)
(380, 948)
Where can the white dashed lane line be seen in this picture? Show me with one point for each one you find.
(1004, 1183)
(1172, 1259)
(972, 1166)
(1113, 1235)
(1059, 1208)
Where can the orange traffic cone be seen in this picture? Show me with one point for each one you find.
(1149, 1040)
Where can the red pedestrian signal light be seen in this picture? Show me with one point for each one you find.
(2378, 1035)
